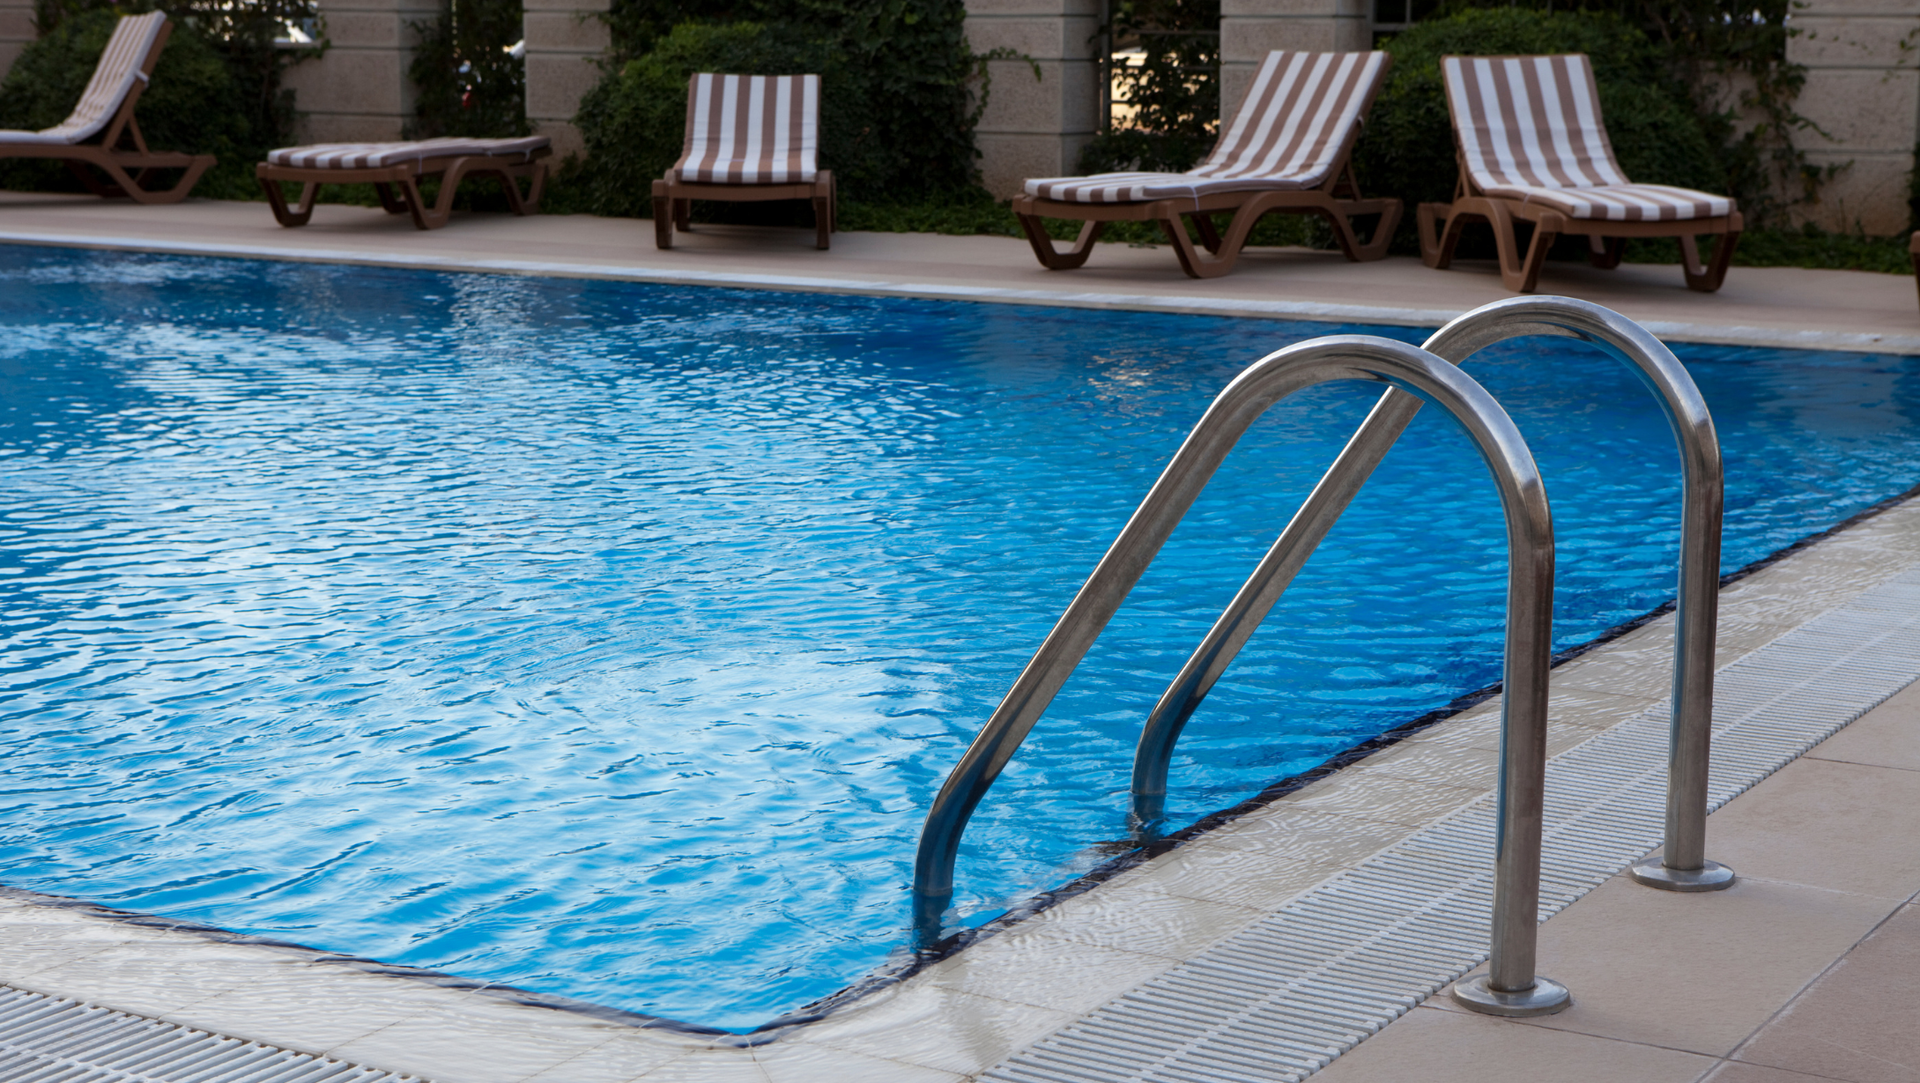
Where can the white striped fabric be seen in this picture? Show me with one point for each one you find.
(112, 78)
(1530, 129)
(751, 129)
(376, 155)
(1287, 135)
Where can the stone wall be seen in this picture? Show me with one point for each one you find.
(16, 30)
(359, 91)
(565, 38)
(1863, 91)
(1036, 127)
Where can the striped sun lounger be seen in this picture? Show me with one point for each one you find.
(93, 133)
(749, 138)
(1533, 148)
(1286, 151)
(396, 169)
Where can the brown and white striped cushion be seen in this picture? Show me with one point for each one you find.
(1300, 114)
(377, 155)
(119, 66)
(1530, 129)
(751, 129)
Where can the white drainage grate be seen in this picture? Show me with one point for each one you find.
(47, 1039)
(1284, 996)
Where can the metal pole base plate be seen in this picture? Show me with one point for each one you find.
(1545, 998)
(1710, 876)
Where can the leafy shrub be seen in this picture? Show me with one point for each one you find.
(467, 83)
(1174, 90)
(192, 105)
(896, 124)
(1407, 147)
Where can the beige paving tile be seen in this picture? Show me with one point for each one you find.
(137, 978)
(1735, 1072)
(798, 1062)
(475, 1042)
(1642, 670)
(1694, 972)
(312, 1008)
(1889, 735)
(699, 1066)
(1129, 914)
(1857, 1022)
(1287, 832)
(935, 1028)
(34, 939)
(1429, 1046)
(1469, 767)
(1373, 795)
(1262, 878)
(1839, 826)
(626, 1056)
(1033, 966)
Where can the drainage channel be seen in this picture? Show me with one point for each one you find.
(1282, 998)
(45, 1039)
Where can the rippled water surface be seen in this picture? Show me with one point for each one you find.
(610, 640)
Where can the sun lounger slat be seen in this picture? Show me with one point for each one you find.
(751, 129)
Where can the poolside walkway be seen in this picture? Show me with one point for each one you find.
(1808, 969)
(1759, 306)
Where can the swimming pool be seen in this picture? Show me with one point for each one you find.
(610, 640)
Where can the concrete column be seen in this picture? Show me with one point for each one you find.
(359, 91)
(16, 31)
(1250, 29)
(565, 39)
(1035, 128)
(1863, 90)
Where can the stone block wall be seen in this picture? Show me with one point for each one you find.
(1036, 127)
(1863, 91)
(16, 30)
(565, 39)
(359, 91)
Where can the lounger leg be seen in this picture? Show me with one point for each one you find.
(823, 210)
(683, 215)
(1209, 236)
(1521, 274)
(390, 202)
(415, 205)
(1052, 258)
(104, 191)
(1708, 279)
(277, 199)
(1191, 261)
(662, 215)
(536, 187)
(1605, 252)
(1436, 248)
(442, 210)
(1913, 250)
(1341, 214)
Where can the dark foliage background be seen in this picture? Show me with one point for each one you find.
(217, 89)
(896, 119)
(466, 81)
(1174, 91)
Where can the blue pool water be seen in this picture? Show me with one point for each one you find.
(611, 640)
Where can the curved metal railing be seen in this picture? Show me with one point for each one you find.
(1527, 654)
(1684, 866)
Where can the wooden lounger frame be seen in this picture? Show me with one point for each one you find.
(406, 177)
(673, 203)
(116, 163)
(1337, 200)
(1606, 239)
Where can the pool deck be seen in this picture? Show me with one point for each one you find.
(1842, 310)
(1806, 969)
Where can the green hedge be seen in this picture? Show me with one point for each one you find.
(182, 109)
(1407, 147)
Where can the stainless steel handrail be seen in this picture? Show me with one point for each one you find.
(1684, 866)
(1512, 986)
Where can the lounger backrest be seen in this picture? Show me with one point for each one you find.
(119, 66)
(751, 129)
(1529, 121)
(1300, 117)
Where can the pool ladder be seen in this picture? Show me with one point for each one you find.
(1417, 374)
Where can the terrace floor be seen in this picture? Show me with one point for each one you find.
(1807, 969)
